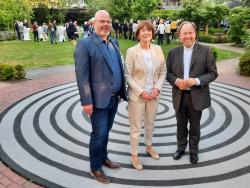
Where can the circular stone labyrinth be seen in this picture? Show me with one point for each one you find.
(45, 138)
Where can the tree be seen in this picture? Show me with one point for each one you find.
(239, 23)
(141, 9)
(202, 13)
(11, 10)
(124, 10)
(120, 10)
(212, 15)
(246, 3)
(191, 12)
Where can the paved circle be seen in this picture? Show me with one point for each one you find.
(45, 138)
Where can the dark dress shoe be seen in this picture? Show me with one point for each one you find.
(193, 158)
(100, 176)
(111, 164)
(178, 154)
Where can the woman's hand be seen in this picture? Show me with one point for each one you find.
(154, 93)
(146, 96)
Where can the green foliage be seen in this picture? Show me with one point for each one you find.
(216, 30)
(240, 22)
(162, 14)
(245, 64)
(220, 38)
(120, 10)
(123, 10)
(20, 72)
(202, 13)
(246, 3)
(11, 10)
(246, 38)
(9, 72)
(41, 14)
(141, 9)
(214, 52)
(7, 35)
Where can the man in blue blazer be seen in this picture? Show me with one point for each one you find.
(100, 80)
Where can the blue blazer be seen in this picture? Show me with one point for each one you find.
(94, 72)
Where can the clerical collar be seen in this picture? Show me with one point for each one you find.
(189, 48)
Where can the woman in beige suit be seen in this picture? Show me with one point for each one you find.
(145, 72)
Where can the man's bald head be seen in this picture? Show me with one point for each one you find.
(101, 13)
(102, 23)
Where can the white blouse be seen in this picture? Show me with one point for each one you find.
(149, 84)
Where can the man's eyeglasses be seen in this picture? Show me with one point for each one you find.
(104, 21)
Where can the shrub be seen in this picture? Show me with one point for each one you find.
(164, 14)
(7, 35)
(246, 38)
(9, 72)
(239, 21)
(245, 64)
(216, 30)
(218, 38)
(20, 72)
(214, 52)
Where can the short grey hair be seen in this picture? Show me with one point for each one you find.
(184, 23)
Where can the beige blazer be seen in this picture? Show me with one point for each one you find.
(136, 71)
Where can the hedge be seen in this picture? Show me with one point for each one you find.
(245, 64)
(11, 72)
(219, 38)
(7, 35)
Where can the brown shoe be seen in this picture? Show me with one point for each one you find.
(111, 164)
(100, 176)
(136, 162)
(152, 153)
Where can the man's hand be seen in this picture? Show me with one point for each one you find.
(88, 109)
(155, 92)
(181, 84)
(146, 96)
(191, 82)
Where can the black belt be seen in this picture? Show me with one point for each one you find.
(114, 94)
(186, 91)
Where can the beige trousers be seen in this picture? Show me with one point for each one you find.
(141, 111)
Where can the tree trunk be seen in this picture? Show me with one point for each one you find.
(206, 29)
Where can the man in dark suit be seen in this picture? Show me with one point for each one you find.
(190, 69)
(100, 80)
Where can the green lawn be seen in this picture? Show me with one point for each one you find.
(43, 54)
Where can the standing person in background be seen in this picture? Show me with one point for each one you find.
(130, 29)
(145, 72)
(16, 29)
(52, 30)
(125, 29)
(26, 23)
(173, 27)
(45, 31)
(101, 84)
(134, 28)
(85, 29)
(116, 28)
(190, 69)
(167, 32)
(67, 30)
(76, 30)
(35, 31)
(20, 27)
(160, 32)
(71, 30)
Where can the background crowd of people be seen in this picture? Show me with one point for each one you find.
(164, 29)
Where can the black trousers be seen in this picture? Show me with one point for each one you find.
(185, 114)
(35, 36)
(160, 39)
